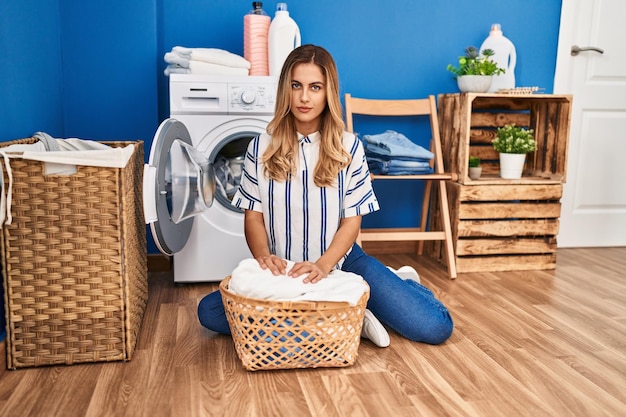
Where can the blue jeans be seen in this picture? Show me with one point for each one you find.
(392, 144)
(397, 167)
(407, 307)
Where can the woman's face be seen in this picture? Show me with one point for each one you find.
(308, 97)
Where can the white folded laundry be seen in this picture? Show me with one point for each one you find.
(183, 51)
(175, 69)
(199, 67)
(173, 58)
(212, 56)
(250, 280)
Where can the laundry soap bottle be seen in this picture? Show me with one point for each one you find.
(284, 37)
(256, 27)
(505, 57)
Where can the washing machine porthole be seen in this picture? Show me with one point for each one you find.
(228, 159)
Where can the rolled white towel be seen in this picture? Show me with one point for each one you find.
(250, 280)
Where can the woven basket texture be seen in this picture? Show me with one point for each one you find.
(286, 335)
(74, 263)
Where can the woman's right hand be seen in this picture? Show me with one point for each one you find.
(277, 265)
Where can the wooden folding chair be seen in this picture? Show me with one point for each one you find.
(412, 107)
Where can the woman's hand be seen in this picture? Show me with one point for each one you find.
(275, 264)
(314, 271)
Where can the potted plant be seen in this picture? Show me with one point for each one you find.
(475, 70)
(513, 143)
(474, 167)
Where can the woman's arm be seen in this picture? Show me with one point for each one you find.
(256, 237)
(342, 242)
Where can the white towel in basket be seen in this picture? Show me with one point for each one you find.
(250, 280)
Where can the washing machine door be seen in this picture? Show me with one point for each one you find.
(178, 184)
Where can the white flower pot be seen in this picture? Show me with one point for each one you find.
(474, 172)
(512, 165)
(474, 83)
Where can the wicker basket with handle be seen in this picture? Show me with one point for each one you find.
(293, 334)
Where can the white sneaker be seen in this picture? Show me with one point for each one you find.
(406, 272)
(374, 330)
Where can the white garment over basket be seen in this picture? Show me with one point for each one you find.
(250, 280)
(60, 157)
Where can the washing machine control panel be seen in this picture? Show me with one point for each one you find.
(204, 94)
(256, 98)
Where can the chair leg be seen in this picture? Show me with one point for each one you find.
(447, 229)
(425, 213)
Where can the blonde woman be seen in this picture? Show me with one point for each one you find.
(304, 189)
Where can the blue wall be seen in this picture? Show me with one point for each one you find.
(109, 60)
(94, 69)
(30, 74)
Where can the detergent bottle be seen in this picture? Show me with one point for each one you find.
(284, 37)
(256, 26)
(505, 57)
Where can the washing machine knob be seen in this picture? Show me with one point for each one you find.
(248, 96)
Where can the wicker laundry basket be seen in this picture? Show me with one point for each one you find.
(74, 262)
(286, 334)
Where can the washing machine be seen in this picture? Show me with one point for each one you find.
(195, 166)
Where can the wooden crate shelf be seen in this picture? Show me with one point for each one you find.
(468, 124)
(500, 224)
(503, 227)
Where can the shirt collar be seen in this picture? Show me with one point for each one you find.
(312, 138)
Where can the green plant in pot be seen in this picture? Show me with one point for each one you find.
(513, 143)
(475, 70)
(475, 170)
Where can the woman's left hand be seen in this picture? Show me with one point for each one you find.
(315, 273)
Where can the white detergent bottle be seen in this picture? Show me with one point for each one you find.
(505, 57)
(284, 37)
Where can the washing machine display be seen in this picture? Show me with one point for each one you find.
(220, 116)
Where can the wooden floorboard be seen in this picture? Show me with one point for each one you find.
(526, 343)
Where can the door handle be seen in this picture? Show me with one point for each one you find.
(578, 49)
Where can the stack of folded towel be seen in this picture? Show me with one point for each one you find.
(182, 60)
(393, 153)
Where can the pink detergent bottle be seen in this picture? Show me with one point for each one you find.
(256, 26)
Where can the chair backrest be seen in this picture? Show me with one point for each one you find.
(402, 107)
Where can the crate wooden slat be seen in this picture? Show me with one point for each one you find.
(505, 227)
(479, 247)
(507, 263)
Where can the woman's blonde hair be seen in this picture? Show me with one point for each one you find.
(280, 158)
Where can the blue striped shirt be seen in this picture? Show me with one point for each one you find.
(301, 219)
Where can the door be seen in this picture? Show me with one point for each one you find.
(178, 184)
(594, 197)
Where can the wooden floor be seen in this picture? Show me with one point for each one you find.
(532, 343)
